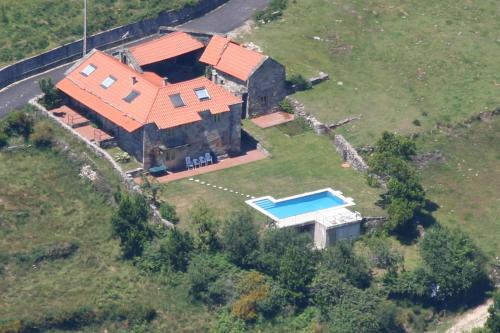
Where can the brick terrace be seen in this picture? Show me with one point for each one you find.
(248, 157)
(273, 119)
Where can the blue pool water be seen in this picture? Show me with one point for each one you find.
(301, 205)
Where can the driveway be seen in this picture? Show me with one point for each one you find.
(223, 19)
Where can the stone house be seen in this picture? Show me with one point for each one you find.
(159, 123)
(258, 79)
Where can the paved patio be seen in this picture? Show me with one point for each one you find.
(93, 134)
(273, 119)
(70, 116)
(248, 157)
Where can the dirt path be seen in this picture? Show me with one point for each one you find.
(471, 319)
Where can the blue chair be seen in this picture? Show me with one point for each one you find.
(189, 163)
(196, 163)
(202, 160)
(208, 158)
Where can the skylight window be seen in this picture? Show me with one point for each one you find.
(89, 69)
(108, 82)
(130, 97)
(176, 100)
(202, 94)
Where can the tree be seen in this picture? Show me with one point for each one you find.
(296, 271)
(327, 289)
(151, 187)
(342, 259)
(211, 278)
(454, 265)
(493, 322)
(396, 145)
(228, 324)
(205, 223)
(51, 97)
(130, 224)
(252, 289)
(273, 245)
(240, 238)
(382, 254)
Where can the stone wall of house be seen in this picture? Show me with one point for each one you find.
(103, 40)
(170, 147)
(266, 88)
(349, 154)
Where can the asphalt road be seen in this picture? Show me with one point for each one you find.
(223, 19)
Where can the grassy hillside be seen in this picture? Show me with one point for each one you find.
(30, 27)
(397, 61)
(466, 184)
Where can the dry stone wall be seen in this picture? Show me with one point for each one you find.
(349, 154)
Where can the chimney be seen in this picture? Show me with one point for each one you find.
(123, 58)
(134, 80)
(165, 80)
(214, 76)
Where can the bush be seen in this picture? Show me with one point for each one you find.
(50, 99)
(240, 239)
(286, 106)
(416, 122)
(253, 289)
(130, 224)
(299, 82)
(205, 222)
(273, 11)
(168, 212)
(493, 322)
(4, 139)
(19, 123)
(43, 134)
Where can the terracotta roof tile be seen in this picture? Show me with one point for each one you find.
(214, 50)
(165, 47)
(234, 59)
(151, 103)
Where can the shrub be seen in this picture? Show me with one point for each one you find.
(4, 139)
(168, 212)
(206, 225)
(416, 122)
(493, 322)
(240, 238)
(286, 106)
(19, 123)
(130, 224)
(51, 97)
(253, 289)
(272, 11)
(43, 134)
(299, 82)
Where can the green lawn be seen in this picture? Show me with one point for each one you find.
(435, 61)
(466, 186)
(131, 164)
(30, 27)
(299, 163)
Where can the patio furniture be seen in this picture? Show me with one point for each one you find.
(189, 163)
(208, 158)
(196, 163)
(158, 170)
(202, 161)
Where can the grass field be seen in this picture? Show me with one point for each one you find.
(44, 203)
(435, 61)
(466, 185)
(298, 163)
(30, 27)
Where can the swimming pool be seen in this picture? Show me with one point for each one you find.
(300, 204)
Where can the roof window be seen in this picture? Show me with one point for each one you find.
(108, 82)
(130, 97)
(89, 69)
(176, 100)
(202, 94)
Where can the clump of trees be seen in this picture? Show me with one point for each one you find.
(405, 196)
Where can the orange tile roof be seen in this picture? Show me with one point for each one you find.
(152, 104)
(231, 58)
(165, 47)
(214, 50)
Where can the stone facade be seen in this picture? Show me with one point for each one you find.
(218, 135)
(262, 92)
